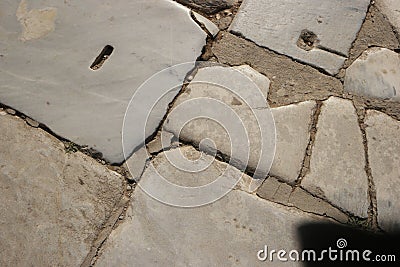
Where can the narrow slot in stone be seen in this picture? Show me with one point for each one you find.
(102, 57)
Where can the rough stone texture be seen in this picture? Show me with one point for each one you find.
(163, 140)
(277, 191)
(46, 53)
(52, 204)
(376, 73)
(292, 137)
(158, 235)
(290, 81)
(229, 103)
(206, 178)
(338, 159)
(375, 31)
(291, 122)
(269, 24)
(136, 163)
(383, 136)
(391, 9)
(208, 6)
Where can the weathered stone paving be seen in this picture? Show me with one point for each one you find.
(306, 33)
(375, 74)
(383, 136)
(56, 86)
(338, 161)
(391, 9)
(163, 234)
(292, 117)
(53, 203)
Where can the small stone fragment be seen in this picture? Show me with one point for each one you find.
(32, 122)
(136, 163)
(211, 27)
(10, 111)
(376, 73)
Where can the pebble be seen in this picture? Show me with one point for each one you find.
(10, 111)
(32, 122)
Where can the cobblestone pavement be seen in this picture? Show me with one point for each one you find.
(194, 132)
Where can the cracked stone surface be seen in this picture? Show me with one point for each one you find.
(233, 101)
(208, 6)
(376, 73)
(338, 159)
(158, 235)
(391, 9)
(46, 53)
(291, 81)
(269, 24)
(277, 191)
(292, 124)
(383, 136)
(53, 204)
(211, 27)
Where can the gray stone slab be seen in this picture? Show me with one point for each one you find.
(52, 204)
(47, 49)
(278, 25)
(155, 234)
(391, 9)
(292, 124)
(185, 177)
(376, 73)
(228, 106)
(383, 136)
(337, 167)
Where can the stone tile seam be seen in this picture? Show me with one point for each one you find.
(319, 69)
(116, 218)
(200, 24)
(290, 205)
(305, 168)
(372, 209)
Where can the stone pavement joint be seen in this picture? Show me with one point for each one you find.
(313, 130)
(292, 196)
(291, 82)
(372, 209)
(337, 166)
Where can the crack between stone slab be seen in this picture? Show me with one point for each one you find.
(396, 33)
(297, 208)
(332, 51)
(90, 152)
(116, 217)
(351, 216)
(305, 168)
(321, 70)
(372, 209)
(201, 25)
